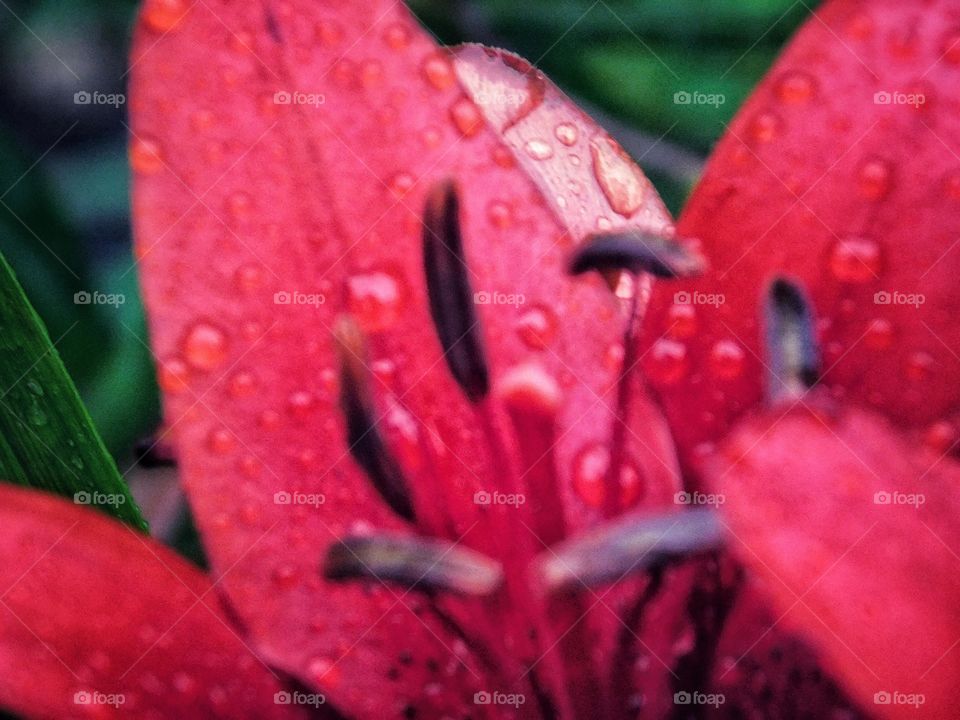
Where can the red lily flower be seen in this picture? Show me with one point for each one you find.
(412, 422)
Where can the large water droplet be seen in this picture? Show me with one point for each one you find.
(375, 299)
(205, 346)
(590, 467)
(855, 259)
(537, 327)
(621, 181)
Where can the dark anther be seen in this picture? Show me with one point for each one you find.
(366, 444)
(451, 297)
(791, 342)
(636, 251)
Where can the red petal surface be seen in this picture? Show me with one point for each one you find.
(240, 194)
(831, 175)
(854, 531)
(100, 622)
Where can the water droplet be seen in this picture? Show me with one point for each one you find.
(371, 73)
(682, 321)
(503, 157)
(919, 366)
(667, 361)
(163, 15)
(146, 156)
(329, 33)
(613, 356)
(499, 213)
(300, 403)
(323, 672)
(590, 467)
(35, 387)
(396, 36)
(250, 466)
(248, 277)
(855, 259)
(36, 415)
(438, 71)
(621, 181)
(466, 117)
(538, 149)
(796, 87)
(173, 375)
(726, 359)
(400, 184)
(269, 419)
(566, 133)
(537, 327)
(184, 683)
(205, 346)
(879, 334)
(873, 178)
(221, 441)
(764, 127)
(242, 384)
(940, 437)
(285, 576)
(375, 299)
(431, 137)
(860, 26)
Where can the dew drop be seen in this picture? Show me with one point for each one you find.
(873, 178)
(919, 366)
(667, 361)
(375, 299)
(221, 441)
(163, 15)
(400, 184)
(537, 327)
(431, 137)
(269, 419)
(796, 87)
(726, 359)
(621, 181)
(855, 259)
(323, 672)
(242, 384)
(396, 36)
(590, 467)
(438, 71)
(538, 149)
(940, 437)
(146, 156)
(503, 157)
(879, 334)
(499, 214)
(329, 33)
(285, 576)
(248, 277)
(566, 133)
(682, 321)
(205, 346)
(173, 375)
(300, 403)
(764, 127)
(466, 117)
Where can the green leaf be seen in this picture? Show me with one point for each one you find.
(47, 439)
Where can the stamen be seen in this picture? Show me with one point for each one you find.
(791, 342)
(636, 251)
(363, 437)
(451, 297)
(413, 562)
(629, 546)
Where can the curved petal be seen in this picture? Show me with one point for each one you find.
(853, 530)
(99, 621)
(283, 152)
(841, 170)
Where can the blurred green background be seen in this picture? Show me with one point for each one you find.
(64, 213)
